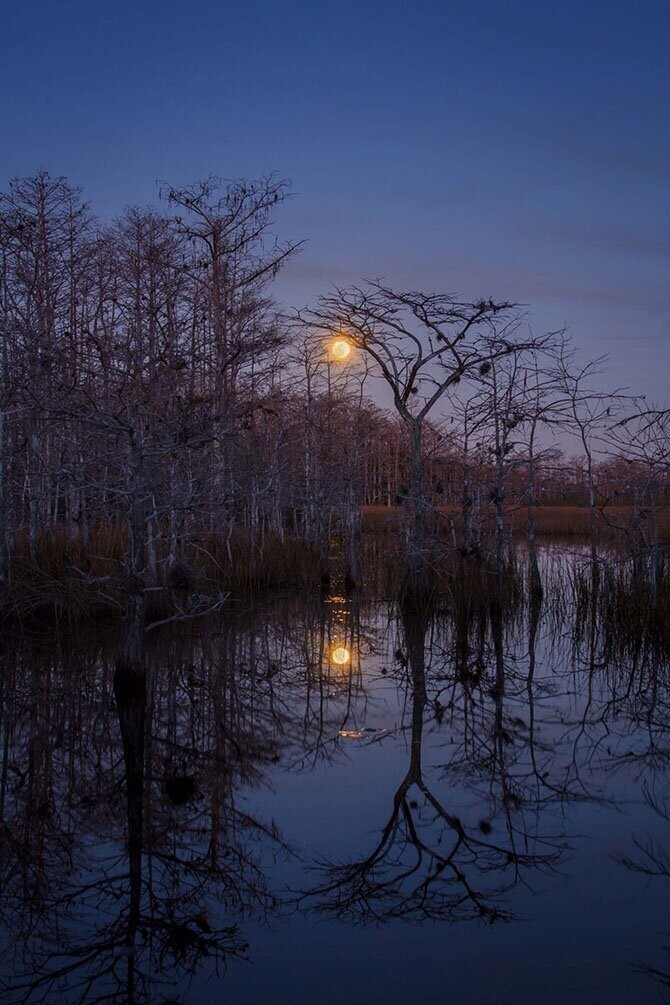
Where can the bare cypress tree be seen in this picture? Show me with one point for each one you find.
(420, 345)
(643, 437)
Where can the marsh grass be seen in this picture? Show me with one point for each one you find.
(628, 606)
(77, 579)
(566, 522)
(65, 575)
(244, 567)
(80, 579)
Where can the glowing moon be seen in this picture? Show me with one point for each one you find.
(340, 349)
(341, 656)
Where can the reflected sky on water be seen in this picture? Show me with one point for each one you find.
(471, 805)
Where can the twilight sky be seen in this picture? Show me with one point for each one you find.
(510, 149)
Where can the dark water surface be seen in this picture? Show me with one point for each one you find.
(204, 832)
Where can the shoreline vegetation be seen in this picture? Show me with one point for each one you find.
(70, 579)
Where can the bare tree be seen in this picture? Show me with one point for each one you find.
(587, 413)
(643, 438)
(420, 345)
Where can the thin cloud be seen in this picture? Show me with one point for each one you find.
(322, 271)
(649, 166)
(619, 241)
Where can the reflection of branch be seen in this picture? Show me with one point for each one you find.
(655, 860)
(408, 875)
(655, 863)
(423, 865)
(107, 961)
(95, 926)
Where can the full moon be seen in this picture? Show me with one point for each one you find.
(340, 656)
(340, 349)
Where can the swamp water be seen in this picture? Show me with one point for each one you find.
(311, 801)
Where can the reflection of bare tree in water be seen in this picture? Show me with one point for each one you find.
(100, 925)
(428, 863)
(523, 742)
(625, 719)
(643, 702)
(326, 696)
(125, 852)
(651, 861)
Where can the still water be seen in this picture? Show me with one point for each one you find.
(310, 801)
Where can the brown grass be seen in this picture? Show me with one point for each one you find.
(250, 568)
(552, 521)
(631, 608)
(66, 577)
(574, 521)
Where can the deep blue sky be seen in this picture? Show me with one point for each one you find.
(513, 149)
